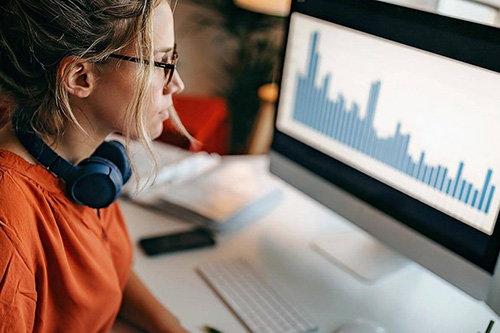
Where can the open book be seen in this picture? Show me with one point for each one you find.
(205, 189)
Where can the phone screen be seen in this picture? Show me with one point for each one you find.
(175, 242)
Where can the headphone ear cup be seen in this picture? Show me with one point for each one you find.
(115, 152)
(97, 183)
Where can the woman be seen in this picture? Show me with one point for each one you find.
(76, 71)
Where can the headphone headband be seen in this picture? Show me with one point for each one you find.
(38, 148)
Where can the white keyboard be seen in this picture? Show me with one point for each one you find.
(256, 304)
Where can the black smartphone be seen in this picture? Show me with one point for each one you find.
(179, 241)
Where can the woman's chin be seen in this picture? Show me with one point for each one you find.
(155, 131)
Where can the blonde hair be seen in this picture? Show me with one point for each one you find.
(36, 35)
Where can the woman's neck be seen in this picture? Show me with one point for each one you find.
(74, 146)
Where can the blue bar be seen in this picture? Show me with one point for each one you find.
(355, 135)
(338, 123)
(485, 187)
(448, 186)
(300, 107)
(343, 126)
(462, 190)
(431, 175)
(403, 152)
(423, 174)
(348, 127)
(406, 165)
(396, 146)
(310, 106)
(435, 183)
(489, 199)
(387, 154)
(338, 109)
(354, 123)
(367, 148)
(414, 170)
(373, 145)
(364, 135)
(370, 148)
(331, 111)
(359, 136)
(422, 156)
(457, 179)
(468, 193)
(316, 95)
(316, 110)
(443, 179)
(383, 150)
(303, 99)
(321, 111)
(376, 147)
(395, 150)
(324, 104)
(474, 198)
(310, 89)
(328, 115)
(343, 114)
(297, 106)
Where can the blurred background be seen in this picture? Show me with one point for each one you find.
(228, 50)
(229, 60)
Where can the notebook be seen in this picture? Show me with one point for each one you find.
(205, 189)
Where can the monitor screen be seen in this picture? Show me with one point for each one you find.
(400, 108)
(416, 121)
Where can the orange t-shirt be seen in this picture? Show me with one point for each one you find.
(63, 266)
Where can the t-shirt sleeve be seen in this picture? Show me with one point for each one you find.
(18, 295)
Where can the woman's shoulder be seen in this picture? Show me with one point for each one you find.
(13, 186)
(14, 178)
(19, 196)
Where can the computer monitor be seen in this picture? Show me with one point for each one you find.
(390, 116)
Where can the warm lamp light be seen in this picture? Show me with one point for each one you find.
(269, 7)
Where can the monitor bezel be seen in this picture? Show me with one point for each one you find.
(394, 23)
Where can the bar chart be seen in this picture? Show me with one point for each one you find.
(417, 121)
(343, 122)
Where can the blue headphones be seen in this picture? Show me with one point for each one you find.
(95, 182)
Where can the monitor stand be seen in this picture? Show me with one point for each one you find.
(365, 257)
(360, 254)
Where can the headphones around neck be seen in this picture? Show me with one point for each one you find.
(95, 182)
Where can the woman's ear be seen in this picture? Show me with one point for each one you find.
(78, 76)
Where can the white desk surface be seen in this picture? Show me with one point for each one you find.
(279, 246)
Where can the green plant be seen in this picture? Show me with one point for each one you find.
(250, 43)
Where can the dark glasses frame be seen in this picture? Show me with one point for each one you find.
(169, 68)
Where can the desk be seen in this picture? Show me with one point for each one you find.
(278, 244)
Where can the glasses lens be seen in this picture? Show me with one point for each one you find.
(169, 74)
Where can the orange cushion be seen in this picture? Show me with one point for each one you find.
(205, 118)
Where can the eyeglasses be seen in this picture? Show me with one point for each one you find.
(169, 68)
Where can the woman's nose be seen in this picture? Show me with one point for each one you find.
(176, 85)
